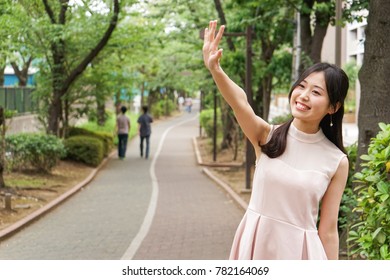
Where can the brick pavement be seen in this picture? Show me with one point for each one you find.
(194, 219)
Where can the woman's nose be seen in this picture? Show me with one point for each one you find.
(305, 94)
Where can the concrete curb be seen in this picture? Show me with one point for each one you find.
(242, 203)
(52, 204)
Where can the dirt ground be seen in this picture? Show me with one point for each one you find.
(30, 190)
(233, 175)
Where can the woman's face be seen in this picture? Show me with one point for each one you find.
(309, 100)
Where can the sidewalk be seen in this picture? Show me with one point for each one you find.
(161, 208)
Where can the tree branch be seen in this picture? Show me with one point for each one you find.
(95, 51)
(221, 14)
(64, 8)
(49, 11)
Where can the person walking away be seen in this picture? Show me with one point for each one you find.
(301, 165)
(144, 131)
(189, 104)
(122, 130)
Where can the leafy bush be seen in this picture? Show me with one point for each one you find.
(372, 234)
(106, 138)
(281, 119)
(163, 108)
(206, 120)
(86, 149)
(348, 200)
(39, 151)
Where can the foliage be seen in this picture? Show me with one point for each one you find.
(349, 200)
(371, 236)
(206, 120)
(281, 119)
(86, 149)
(109, 126)
(106, 138)
(39, 151)
(163, 108)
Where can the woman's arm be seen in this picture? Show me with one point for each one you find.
(330, 210)
(255, 128)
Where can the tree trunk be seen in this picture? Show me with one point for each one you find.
(23, 73)
(311, 41)
(2, 69)
(267, 89)
(374, 75)
(101, 112)
(2, 148)
(61, 79)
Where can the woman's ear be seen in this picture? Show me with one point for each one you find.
(334, 109)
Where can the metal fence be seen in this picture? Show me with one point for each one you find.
(18, 99)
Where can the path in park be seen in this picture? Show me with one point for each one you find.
(161, 208)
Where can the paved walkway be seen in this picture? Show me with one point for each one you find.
(161, 208)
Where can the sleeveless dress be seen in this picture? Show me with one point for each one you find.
(281, 220)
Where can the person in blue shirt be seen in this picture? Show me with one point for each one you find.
(144, 131)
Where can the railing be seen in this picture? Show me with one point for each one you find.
(18, 99)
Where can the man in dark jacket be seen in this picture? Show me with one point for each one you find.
(144, 130)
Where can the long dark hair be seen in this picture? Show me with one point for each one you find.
(337, 84)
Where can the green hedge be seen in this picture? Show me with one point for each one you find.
(33, 150)
(370, 237)
(106, 138)
(206, 120)
(86, 149)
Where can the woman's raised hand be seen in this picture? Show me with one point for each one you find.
(211, 53)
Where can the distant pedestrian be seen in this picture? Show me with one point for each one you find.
(144, 130)
(122, 130)
(189, 104)
(180, 100)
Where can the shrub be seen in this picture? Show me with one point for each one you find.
(372, 234)
(348, 200)
(281, 119)
(105, 137)
(86, 149)
(206, 119)
(39, 151)
(163, 107)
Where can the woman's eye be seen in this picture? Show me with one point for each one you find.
(301, 86)
(316, 92)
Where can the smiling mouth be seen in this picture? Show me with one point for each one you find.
(301, 107)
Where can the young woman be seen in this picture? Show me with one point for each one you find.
(300, 164)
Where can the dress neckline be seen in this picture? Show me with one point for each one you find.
(305, 137)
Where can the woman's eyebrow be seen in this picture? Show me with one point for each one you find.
(316, 86)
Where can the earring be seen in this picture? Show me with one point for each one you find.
(331, 121)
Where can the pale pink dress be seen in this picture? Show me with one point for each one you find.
(280, 222)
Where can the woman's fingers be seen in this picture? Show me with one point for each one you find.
(211, 54)
(212, 26)
(219, 35)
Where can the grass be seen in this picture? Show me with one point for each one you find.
(32, 183)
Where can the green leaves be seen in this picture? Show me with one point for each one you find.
(372, 236)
